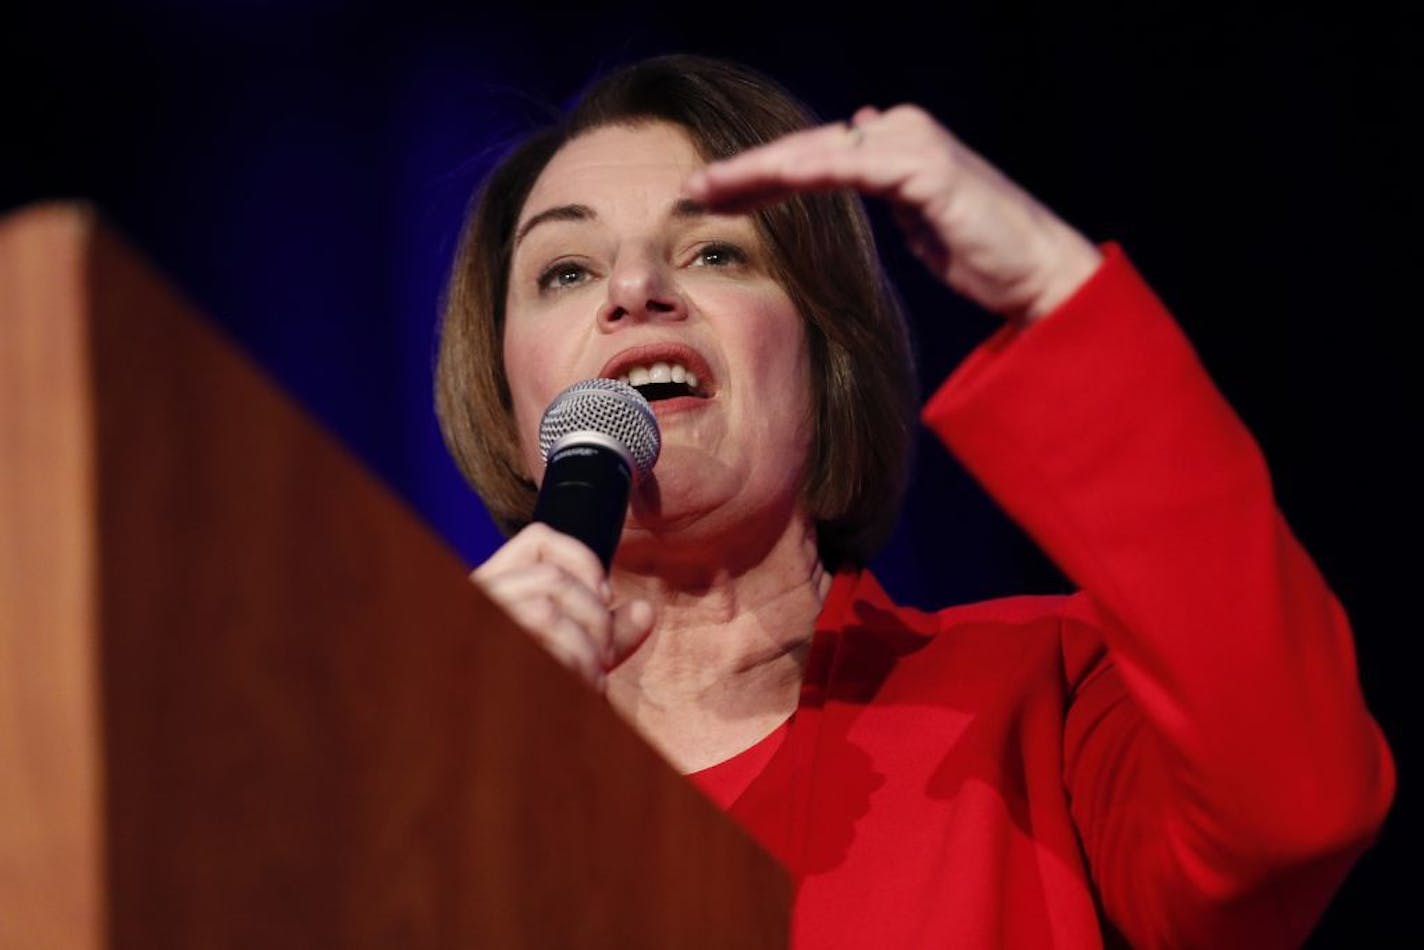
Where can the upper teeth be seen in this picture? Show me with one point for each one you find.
(660, 373)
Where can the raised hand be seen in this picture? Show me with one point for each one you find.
(975, 229)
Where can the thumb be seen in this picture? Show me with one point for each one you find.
(632, 622)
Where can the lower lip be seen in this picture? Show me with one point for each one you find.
(677, 405)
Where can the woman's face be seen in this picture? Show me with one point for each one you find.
(614, 273)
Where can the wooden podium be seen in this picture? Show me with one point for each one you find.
(246, 698)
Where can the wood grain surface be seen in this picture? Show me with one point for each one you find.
(51, 836)
(250, 701)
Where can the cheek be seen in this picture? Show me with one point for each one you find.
(542, 350)
(784, 377)
(786, 354)
(527, 368)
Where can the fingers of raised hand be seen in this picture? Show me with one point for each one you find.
(813, 159)
(865, 114)
(897, 154)
(922, 238)
(972, 226)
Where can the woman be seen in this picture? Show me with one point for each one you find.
(1178, 753)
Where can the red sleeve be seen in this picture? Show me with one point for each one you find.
(1222, 768)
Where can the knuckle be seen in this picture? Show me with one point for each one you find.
(566, 583)
(541, 611)
(944, 165)
(602, 629)
(573, 648)
(490, 568)
(565, 547)
(556, 581)
(548, 576)
(584, 554)
(908, 113)
(524, 542)
(561, 652)
(592, 616)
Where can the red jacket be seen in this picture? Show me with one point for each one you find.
(1180, 751)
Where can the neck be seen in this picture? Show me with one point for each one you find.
(724, 663)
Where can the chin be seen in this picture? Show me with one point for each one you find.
(670, 524)
(700, 529)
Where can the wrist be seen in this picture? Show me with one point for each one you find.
(1071, 260)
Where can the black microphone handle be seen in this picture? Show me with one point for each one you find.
(585, 495)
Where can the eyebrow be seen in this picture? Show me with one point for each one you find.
(683, 209)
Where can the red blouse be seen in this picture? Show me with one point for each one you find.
(1179, 752)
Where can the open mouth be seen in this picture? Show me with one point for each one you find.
(664, 379)
(656, 392)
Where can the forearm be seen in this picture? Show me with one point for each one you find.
(1100, 433)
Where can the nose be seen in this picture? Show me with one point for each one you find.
(642, 287)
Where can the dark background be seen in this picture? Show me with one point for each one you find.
(299, 170)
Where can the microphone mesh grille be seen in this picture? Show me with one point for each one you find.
(610, 408)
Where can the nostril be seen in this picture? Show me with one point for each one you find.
(632, 305)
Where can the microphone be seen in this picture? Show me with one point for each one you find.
(597, 438)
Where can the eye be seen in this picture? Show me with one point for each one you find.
(719, 254)
(563, 274)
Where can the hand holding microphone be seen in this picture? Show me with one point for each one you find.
(598, 438)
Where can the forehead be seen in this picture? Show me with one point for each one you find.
(651, 159)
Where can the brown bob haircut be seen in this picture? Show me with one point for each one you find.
(823, 255)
